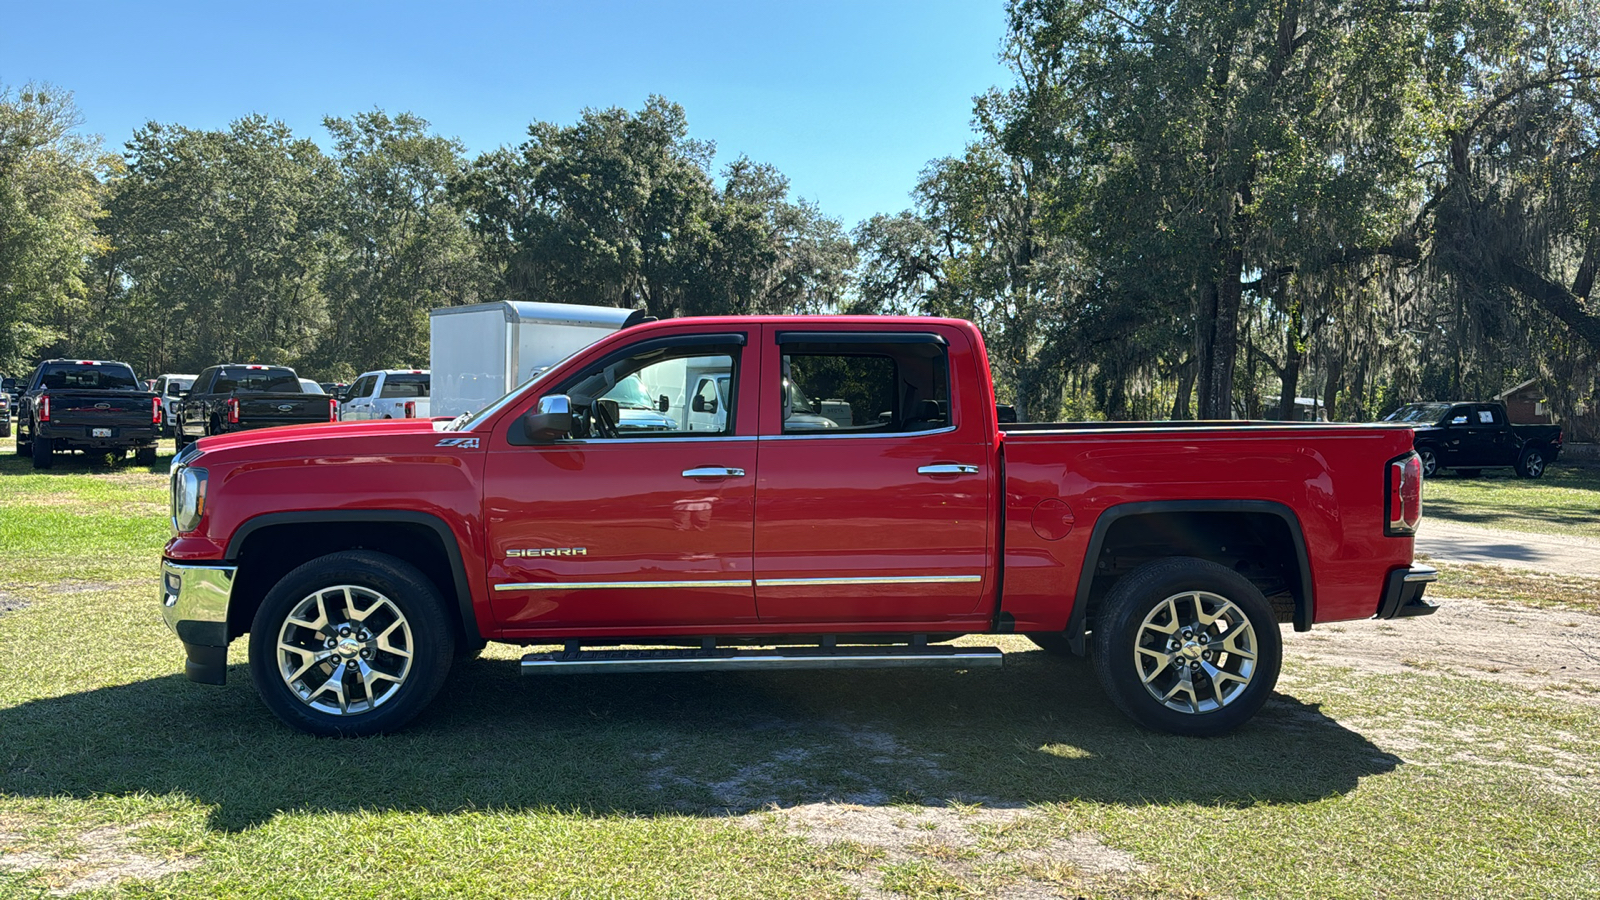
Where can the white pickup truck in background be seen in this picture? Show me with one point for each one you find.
(387, 394)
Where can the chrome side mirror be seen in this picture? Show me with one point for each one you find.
(552, 422)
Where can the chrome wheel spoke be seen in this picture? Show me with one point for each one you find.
(1163, 663)
(335, 686)
(388, 646)
(317, 624)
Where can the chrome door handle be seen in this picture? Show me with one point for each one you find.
(948, 469)
(713, 472)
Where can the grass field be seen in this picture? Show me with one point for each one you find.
(1565, 501)
(120, 778)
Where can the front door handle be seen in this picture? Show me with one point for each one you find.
(948, 469)
(713, 472)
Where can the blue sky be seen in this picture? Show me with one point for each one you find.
(848, 99)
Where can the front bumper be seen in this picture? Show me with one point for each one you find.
(194, 603)
(1402, 592)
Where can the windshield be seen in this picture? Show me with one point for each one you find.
(263, 379)
(1418, 412)
(797, 399)
(630, 393)
(96, 377)
(469, 420)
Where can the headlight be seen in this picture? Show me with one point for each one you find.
(188, 498)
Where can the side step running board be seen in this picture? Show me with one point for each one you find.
(581, 662)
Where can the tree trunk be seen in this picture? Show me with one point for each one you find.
(1225, 336)
(1180, 405)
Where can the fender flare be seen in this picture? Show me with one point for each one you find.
(1303, 611)
(452, 549)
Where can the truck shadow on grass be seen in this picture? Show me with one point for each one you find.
(1036, 731)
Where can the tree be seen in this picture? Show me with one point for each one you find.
(621, 209)
(398, 246)
(50, 196)
(218, 241)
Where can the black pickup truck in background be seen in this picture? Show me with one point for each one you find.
(1470, 437)
(86, 404)
(232, 398)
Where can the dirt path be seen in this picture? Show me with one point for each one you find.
(1549, 650)
(1560, 554)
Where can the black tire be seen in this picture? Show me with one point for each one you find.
(1430, 461)
(43, 454)
(391, 589)
(144, 456)
(1155, 594)
(1532, 463)
(178, 440)
(1052, 642)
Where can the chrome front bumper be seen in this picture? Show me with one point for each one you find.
(194, 603)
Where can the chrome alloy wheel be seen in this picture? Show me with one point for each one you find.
(345, 650)
(1195, 652)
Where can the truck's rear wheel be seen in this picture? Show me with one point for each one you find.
(353, 643)
(1430, 461)
(1187, 647)
(1531, 464)
(43, 454)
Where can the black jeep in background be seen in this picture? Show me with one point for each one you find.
(86, 404)
(1471, 437)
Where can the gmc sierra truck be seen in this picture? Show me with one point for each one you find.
(362, 560)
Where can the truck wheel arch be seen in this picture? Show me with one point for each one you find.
(452, 580)
(1282, 515)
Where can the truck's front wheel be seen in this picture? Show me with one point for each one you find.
(353, 643)
(1187, 646)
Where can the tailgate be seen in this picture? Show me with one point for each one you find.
(108, 411)
(259, 410)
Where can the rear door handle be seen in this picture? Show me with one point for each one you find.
(948, 469)
(713, 472)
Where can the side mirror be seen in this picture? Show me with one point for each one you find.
(552, 422)
(700, 405)
(663, 404)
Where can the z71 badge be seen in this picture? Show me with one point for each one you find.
(463, 443)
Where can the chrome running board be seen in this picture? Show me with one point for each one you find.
(583, 662)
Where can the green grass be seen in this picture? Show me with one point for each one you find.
(1565, 501)
(1498, 584)
(1346, 785)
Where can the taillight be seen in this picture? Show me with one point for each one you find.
(233, 410)
(333, 409)
(155, 411)
(1403, 506)
(44, 408)
(411, 409)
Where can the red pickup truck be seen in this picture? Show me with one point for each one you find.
(364, 559)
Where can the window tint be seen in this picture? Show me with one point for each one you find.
(363, 386)
(623, 398)
(271, 380)
(854, 388)
(76, 376)
(408, 385)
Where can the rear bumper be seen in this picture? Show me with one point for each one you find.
(81, 437)
(1402, 592)
(194, 603)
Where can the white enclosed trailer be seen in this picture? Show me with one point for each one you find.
(480, 352)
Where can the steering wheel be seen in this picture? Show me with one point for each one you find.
(602, 421)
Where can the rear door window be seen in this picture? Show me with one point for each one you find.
(843, 387)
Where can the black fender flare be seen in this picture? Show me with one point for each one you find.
(447, 538)
(1303, 611)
